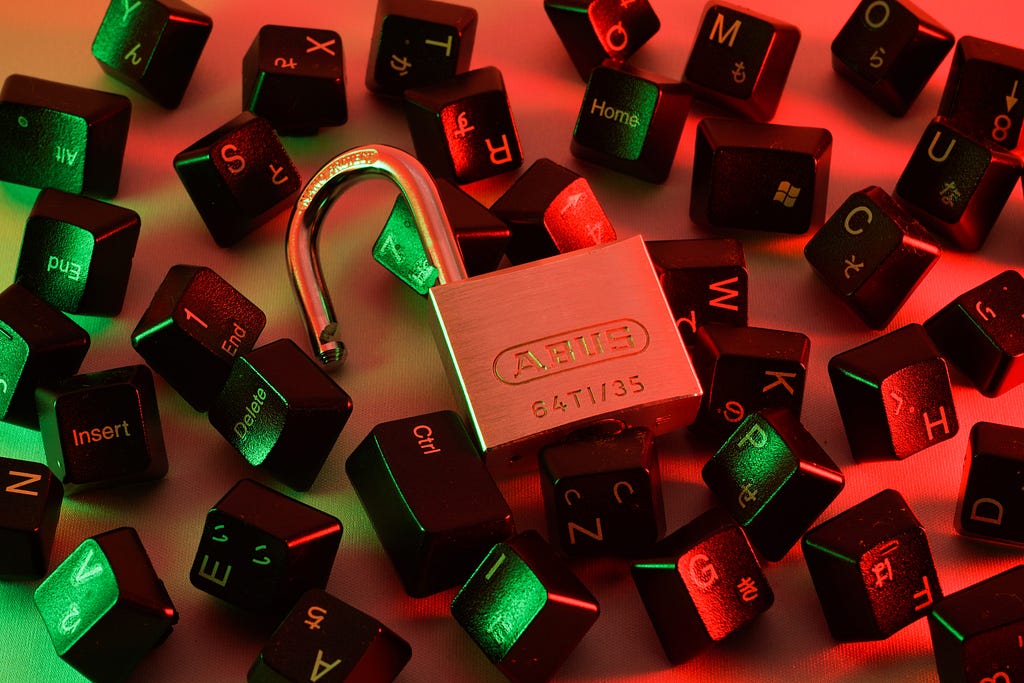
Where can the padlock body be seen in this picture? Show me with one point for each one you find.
(539, 350)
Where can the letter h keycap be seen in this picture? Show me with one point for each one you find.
(30, 502)
(990, 505)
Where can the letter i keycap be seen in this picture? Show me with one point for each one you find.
(463, 128)
(77, 252)
(239, 176)
(525, 609)
(872, 254)
(872, 569)
(326, 639)
(193, 330)
(741, 60)
(104, 606)
(594, 30)
(30, 502)
(261, 550)
(990, 505)
(152, 45)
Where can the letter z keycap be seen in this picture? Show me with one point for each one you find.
(30, 502)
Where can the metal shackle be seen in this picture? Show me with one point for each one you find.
(405, 171)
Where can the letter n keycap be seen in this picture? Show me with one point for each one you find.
(30, 502)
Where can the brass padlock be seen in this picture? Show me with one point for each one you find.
(536, 351)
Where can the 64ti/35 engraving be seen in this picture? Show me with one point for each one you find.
(590, 395)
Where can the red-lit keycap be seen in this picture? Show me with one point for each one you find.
(702, 584)
(872, 569)
(152, 45)
(888, 50)
(741, 60)
(30, 502)
(550, 210)
(594, 30)
(872, 254)
(893, 395)
(990, 505)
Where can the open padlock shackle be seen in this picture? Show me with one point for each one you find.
(405, 171)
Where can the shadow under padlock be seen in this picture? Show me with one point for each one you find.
(535, 351)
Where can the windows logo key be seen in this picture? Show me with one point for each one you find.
(786, 194)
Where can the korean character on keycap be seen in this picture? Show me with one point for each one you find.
(594, 30)
(30, 502)
(990, 504)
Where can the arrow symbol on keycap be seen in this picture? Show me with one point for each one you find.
(1011, 99)
(86, 571)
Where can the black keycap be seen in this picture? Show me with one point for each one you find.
(524, 608)
(630, 121)
(430, 498)
(324, 638)
(62, 136)
(602, 493)
(295, 78)
(239, 176)
(872, 569)
(282, 412)
(702, 584)
(990, 505)
(774, 478)
(981, 92)
(704, 281)
(104, 606)
(872, 254)
(976, 632)
(193, 330)
(741, 60)
(30, 501)
(38, 345)
(417, 43)
(981, 332)
(463, 128)
(746, 369)
(760, 176)
(957, 186)
(894, 395)
(550, 210)
(261, 550)
(888, 50)
(152, 45)
(102, 428)
(594, 30)
(482, 238)
(77, 253)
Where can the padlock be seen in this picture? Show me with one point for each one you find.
(582, 337)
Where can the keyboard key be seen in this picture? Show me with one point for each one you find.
(872, 569)
(894, 395)
(702, 584)
(524, 608)
(981, 91)
(193, 330)
(990, 505)
(550, 210)
(324, 638)
(239, 177)
(774, 478)
(746, 369)
(760, 176)
(741, 60)
(38, 345)
(295, 78)
(153, 46)
(630, 121)
(976, 632)
(593, 30)
(430, 498)
(957, 186)
(602, 493)
(77, 253)
(704, 281)
(62, 136)
(261, 550)
(981, 332)
(888, 50)
(463, 128)
(102, 428)
(30, 502)
(872, 254)
(104, 606)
